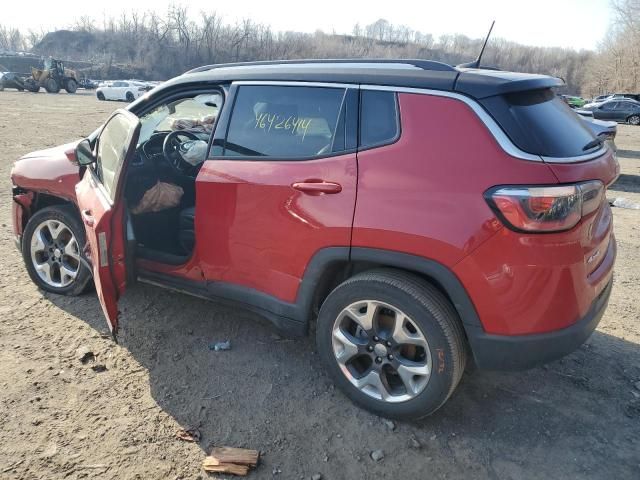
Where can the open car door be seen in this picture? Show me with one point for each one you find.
(102, 207)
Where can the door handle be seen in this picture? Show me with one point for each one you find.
(313, 187)
(87, 218)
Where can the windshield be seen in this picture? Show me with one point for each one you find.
(197, 114)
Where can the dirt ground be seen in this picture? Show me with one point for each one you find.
(576, 418)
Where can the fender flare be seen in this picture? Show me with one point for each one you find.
(437, 272)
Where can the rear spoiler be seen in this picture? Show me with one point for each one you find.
(481, 83)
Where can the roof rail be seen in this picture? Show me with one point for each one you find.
(422, 64)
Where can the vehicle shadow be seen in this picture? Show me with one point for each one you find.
(626, 183)
(575, 418)
(628, 153)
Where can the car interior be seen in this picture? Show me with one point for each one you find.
(160, 180)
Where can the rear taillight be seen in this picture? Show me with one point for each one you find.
(545, 208)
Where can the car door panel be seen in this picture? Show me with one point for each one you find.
(102, 212)
(254, 229)
(261, 218)
(606, 111)
(101, 231)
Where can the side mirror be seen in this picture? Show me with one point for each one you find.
(84, 154)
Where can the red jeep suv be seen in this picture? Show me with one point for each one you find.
(418, 215)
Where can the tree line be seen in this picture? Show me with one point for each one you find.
(156, 46)
(616, 65)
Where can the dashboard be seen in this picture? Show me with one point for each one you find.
(149, 153)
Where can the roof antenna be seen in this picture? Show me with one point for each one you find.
(476, 62)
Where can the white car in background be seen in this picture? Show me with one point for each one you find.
(121, 90)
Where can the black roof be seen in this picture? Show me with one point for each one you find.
(477, 83)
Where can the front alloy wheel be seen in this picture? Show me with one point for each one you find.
(55, 253)
(52, 245)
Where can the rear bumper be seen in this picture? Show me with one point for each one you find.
(520, 352)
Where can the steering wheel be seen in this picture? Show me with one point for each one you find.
(171, 151)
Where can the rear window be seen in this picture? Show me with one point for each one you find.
(539, 122)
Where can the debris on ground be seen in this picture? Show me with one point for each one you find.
(211, 466)
(622, 202)
(189, 434)
(377, 455)
(236, 461)
(390, 424)
(85, 355)
(220, 346)
(414, 443)
(316, 476)
(99, 368)
(11, 467)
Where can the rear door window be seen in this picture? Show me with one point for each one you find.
(539, 122)
(288, 122)
(379, 123)
(624, 106)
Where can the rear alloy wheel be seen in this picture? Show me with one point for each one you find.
(381, 351)
(52, 248)
(392, 342)
(634, 120)
(130, 97)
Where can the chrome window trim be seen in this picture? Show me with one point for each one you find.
(294, 84)
(580, 158)
(503, 140)
(496, 131)
(505, 143)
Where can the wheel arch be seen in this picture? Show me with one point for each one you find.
(39, 201)
(631, 116)
(331, 266)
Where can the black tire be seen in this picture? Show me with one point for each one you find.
(634, 120)
(67, 215)
(71, 86)
(51, 86)
(100, 96)
(428, 309)
(1, 86)
(31, 85)
(130, 98)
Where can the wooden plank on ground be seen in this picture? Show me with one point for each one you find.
(212, 465)
(242, 456)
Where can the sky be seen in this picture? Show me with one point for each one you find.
(578, 24)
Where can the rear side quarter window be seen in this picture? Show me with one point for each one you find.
(379, 119)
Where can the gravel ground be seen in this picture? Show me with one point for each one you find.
(59, 418)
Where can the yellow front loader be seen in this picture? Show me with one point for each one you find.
(52, 78)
